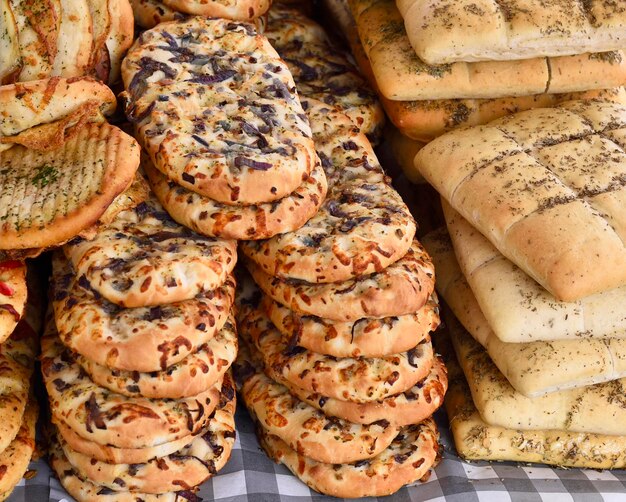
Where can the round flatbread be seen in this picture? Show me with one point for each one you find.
(407, 459)
(15, 458)
(288, 26)
(358, 380)
(260, 221)
(240, 10)
(13, 293)
(139, 339)
(149, 13)
(402, 288)
(104, 417)
(192, 465)
(307, 430)
(144, 258)
(217, 111)
(367, 337)
(193, 375)
(48, 197)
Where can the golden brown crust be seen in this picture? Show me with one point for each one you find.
(13, 294)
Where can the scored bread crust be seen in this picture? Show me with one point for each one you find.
(139, 339)
(366, 337)
(568, 232)
(259, 221)
(64, 191)
(402, 288)
(409, 458)
(358, 380)
(194, 374)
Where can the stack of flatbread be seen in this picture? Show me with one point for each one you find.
(535, 271)
(229, 147)
(321, 70)
(64, 38)
(339, 322)
(20, 326)
(136, 358)
(441, 64)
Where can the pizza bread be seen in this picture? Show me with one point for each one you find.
(359, 380)
(13, 294)
(476, 440)
(196, 373)
(447, 31)
(532, 368)
(138, 339)
(567, 232)
(402, 288)
(184, 469)
(366, 337)
(407, 459)
(498, 284)
(103, 417)
(144, 258)
(15, 458)
(254, 146)
(401, 75)
(259, 221)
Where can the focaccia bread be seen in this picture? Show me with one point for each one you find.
(567, 232)
(520, 310)
(447, 31)
(476, 440)
(402, 75)
(533, 368)
(596, 409)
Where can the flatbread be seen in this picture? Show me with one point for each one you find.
(239, 10)
(246, 140)
(49, 197)
(13, 293)
(358, 380)
(261, 221)
(10, 64)
(366, 337)
(139, 339)
(75, 39)
(120, 36)
(107, 418)
(149, 13)
(192, 465)
(196, 373)
(409, 458)
(144, 258)
(402, 288)
(362, 227)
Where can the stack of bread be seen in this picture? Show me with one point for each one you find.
(20, 325)
(136, 358)
(534, 208)
(321, 70)
(442, 64)
(67, 38)
(343, 331)
(229, 148)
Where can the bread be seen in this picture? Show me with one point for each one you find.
(447, 31)
(149, 13)
(13, 295)
(498, 286)
(566, 233)
(75, 40)
(240, 10)
(144, 258)
(475, 440)
(9, 44)
(404, 150)
(402, 76)
(228, 154)
(532, 368)
(405, 461)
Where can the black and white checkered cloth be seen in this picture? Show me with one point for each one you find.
(251, 476)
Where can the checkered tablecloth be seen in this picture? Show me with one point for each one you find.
(251, 476)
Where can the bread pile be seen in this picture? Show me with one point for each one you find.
(229, 148)
(408, 51)
(136, 358)
(20, 325)
(71, 38)
(534, 208)
(339, 339)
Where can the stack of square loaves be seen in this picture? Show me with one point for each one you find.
(534, 208)
(441, 64)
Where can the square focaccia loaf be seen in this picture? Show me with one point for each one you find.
(547, 188)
